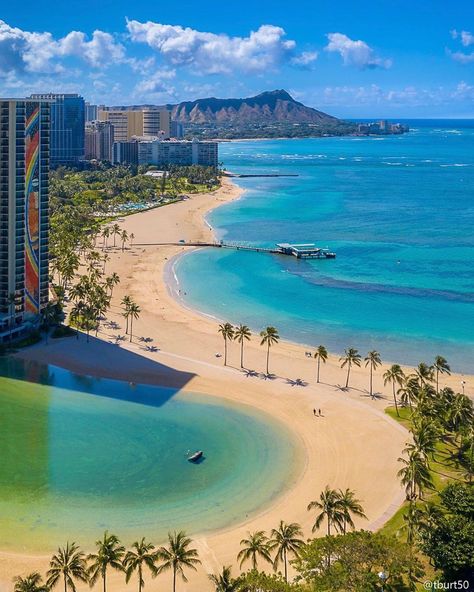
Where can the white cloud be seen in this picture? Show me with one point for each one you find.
(305, 59)
(466, 38)
(209, 53)
(355, 53)
(157, 83)
(408, 96)
(99, 51)
(41, 53)
(462, 58)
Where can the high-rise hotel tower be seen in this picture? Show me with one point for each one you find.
(24, 215)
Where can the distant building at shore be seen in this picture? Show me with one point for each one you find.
(24, 213)
(382, 127)
(137, 121)
(156, 151)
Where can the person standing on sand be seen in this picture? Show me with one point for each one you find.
(319, 411)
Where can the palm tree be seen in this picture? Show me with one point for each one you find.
(321, 354)
(123, 238)
(33, 582)
(350, 505)
(105, 235)
(109, 554)
(373, 361)
(425, 437)
(394, 375)
(177, 556)
(286, 539)
(126, 302)
(414, 474)
(423, 373)
(105, 258)
(241, 334)
(413, 520)
(330, 505)
(351, 358)
(461, 413)
(112, 281)
(257, 544)
(69, 563)
(224, 582)
(115, 231)
(132, 236)
(269, 337)
(134, 312)
(142, 555)
(441, 366)
(48, 314)
(227, 332)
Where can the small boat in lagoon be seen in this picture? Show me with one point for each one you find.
(196, 456)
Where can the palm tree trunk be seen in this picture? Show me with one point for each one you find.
(225, 351)
(395, 399)
(131, 328)
(268, 355)
(65, 583)
(347, 378)
(286, 567)
(371, 393)
(242, 354)
(319, 362)
(139, 578)
(174, 579)
(104, 588)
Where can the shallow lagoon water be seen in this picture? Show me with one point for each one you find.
(398, 211)
(80, 455)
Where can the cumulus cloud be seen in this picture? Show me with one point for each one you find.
(408, 96)
(466, 39)
(209, 53)
(156, 83)
(41, 53)
(305, 59)
(355, 53)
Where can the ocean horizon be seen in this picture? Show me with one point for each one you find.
(397, 211)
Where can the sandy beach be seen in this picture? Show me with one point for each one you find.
(355, 444)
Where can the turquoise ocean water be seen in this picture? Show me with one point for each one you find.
(81, 455)
(399, 212)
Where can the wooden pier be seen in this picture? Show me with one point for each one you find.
(298, 250)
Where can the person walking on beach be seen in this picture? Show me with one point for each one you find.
(319, 412)
(314, 411)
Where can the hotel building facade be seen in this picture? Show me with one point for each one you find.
(134, 121)
(67, 128)
(24, 213)
(166, 152)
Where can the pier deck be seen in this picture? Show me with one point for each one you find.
(300, 251)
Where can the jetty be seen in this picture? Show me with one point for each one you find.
(260, 175)
(298, 250)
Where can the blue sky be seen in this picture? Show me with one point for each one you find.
(392, 58)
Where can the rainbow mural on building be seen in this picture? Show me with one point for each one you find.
(32, 209)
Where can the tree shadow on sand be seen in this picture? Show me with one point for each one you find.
(296, 382)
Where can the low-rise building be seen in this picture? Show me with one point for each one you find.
(165, 153)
